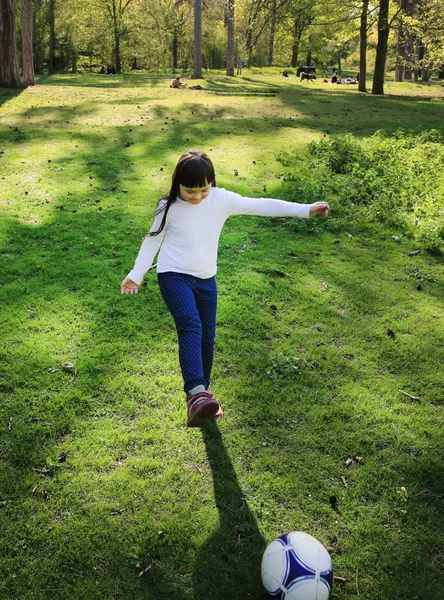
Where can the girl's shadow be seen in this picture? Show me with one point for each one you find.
(228, 564)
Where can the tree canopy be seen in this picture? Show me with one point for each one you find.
(179, 34)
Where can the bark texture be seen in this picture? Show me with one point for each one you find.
(230, 38)
(198, 39)
(27, 54)
(9, 69)
(381, 49)
(363, 47)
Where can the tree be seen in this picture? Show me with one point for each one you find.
(381, 49)
(230, 38)
(272, 33)
(404, 45)
(426, 24)
(198, 39)
(363, 47)
(27, 54)
(52, 36)
(115, 11)
(300, 17)
(9, 70)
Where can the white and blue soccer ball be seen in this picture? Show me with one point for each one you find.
(296, 566)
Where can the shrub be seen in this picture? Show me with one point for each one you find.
(396, 179)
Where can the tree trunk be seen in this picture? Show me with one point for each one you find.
(9, 70)
(408, 56)
(381, 49)
(272, 33)
(363, 47)
(230, 39)
(400, 45)
(27, 55)
(116, 38)
(308, 61)
(297, 33)
(175, 47)
(295, 54)
(198, 39)
(399, 69)
(425, 71)
(52, 37)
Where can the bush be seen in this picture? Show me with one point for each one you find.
(396, 179)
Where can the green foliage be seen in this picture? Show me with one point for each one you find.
(394, 176)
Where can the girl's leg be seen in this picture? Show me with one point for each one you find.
(205, 294)
(177, 292)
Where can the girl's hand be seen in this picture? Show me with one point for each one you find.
(319, 208)
(128, 287)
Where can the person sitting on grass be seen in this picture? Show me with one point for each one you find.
(177, 84)
(186, 229)
(336, 78)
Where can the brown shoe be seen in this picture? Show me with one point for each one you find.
(201, 407)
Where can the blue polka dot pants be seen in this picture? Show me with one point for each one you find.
(193, 304)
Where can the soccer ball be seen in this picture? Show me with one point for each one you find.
(296, 566)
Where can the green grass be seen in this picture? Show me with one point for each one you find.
(95, 375)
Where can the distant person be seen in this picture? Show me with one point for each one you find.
(357, 77)
(239, 66)
(285, 73)
(177, 84)
(335, 78)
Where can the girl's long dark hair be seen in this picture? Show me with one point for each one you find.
(194, 169)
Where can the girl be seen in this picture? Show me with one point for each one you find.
(187, 225)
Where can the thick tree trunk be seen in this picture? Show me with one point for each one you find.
(272, 33)
(27, 55)
(198, 39)
(363, 47)
(230, 39)
(9, 70)
(52, 37)
(381, 49)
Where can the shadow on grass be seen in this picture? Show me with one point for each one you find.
(96, 80)
(234, 552)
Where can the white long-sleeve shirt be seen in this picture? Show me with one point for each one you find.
(189, 241)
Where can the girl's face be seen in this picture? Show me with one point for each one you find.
(194, 195)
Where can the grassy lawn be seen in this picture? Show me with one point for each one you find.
(319, 327)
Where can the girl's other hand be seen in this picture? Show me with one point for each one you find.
(319, 208)
(128, 287)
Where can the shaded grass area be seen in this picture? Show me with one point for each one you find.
(305, 370)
